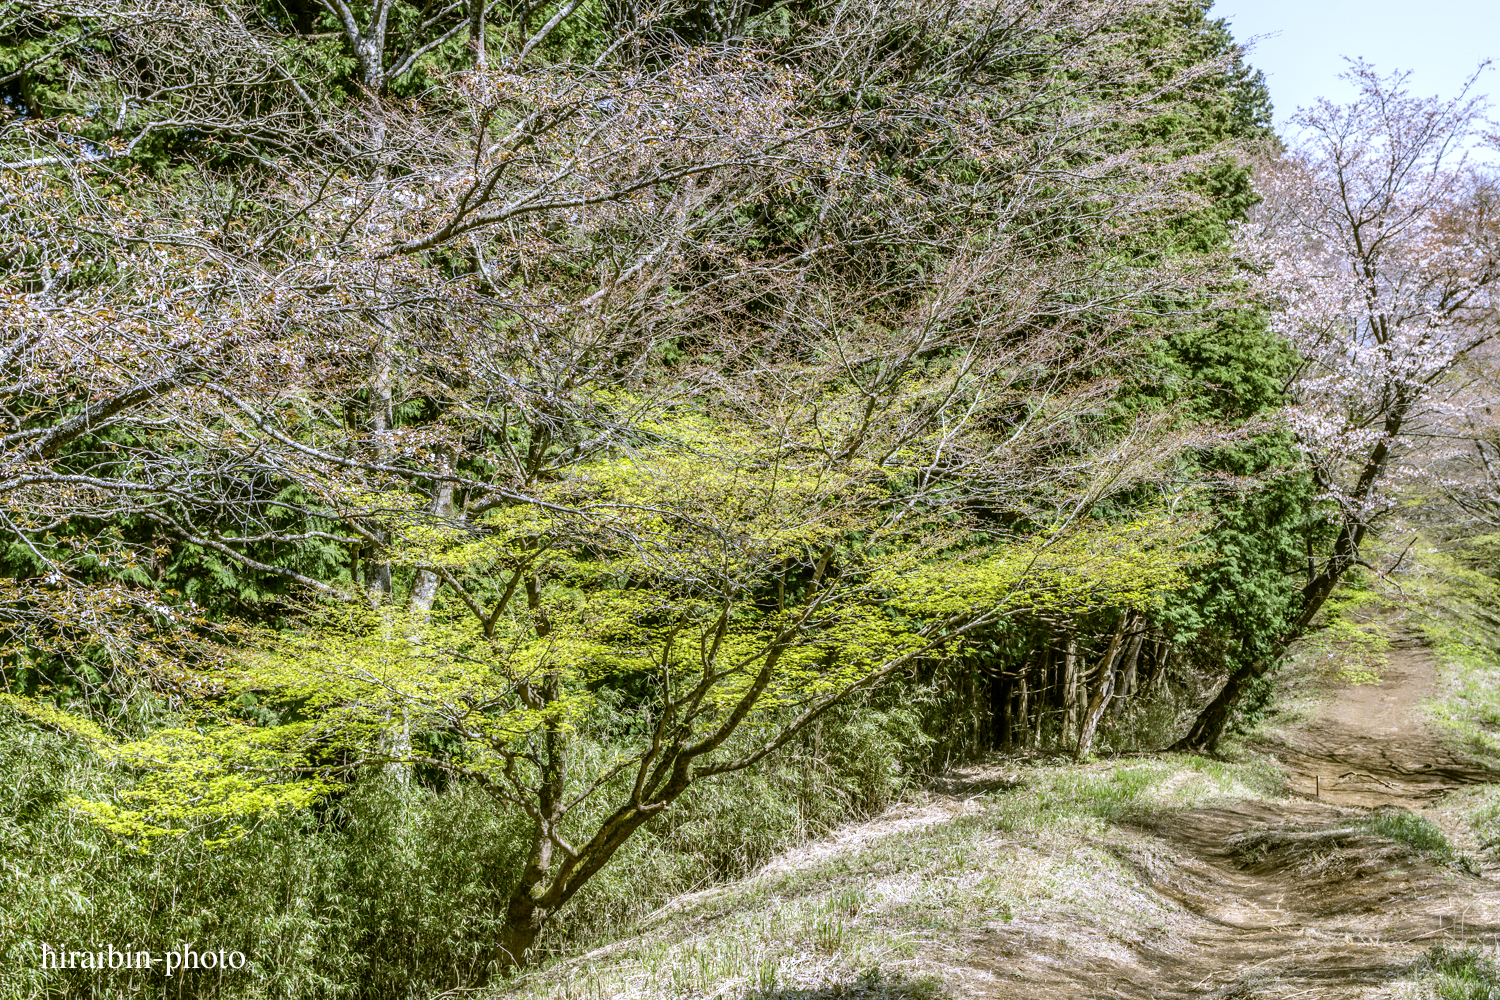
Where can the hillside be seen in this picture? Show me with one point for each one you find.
(493, 491)
(1326, 860)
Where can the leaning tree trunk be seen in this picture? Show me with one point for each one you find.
(1103, 692)
(1211, 722)
(1209, 727)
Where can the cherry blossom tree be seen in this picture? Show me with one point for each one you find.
(1375, 252)
(315, 255)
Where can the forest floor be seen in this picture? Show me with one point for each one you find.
(1322, 864)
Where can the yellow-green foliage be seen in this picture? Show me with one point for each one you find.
(1127, 564)
(364, 669)
(208, 781)
(55, 718)
(705, 569)
(1351, 638)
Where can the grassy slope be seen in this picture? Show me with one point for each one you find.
(884, 909)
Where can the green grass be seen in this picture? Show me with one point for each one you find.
(1417, 832)
(1469, 708)
(1420, 834)
(1460, 975)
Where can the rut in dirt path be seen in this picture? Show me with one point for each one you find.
(1297, 898)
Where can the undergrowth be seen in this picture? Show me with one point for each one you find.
(1448, 595)
(385, 890)
(1468, 974)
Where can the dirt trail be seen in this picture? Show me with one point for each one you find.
(1368, 746)
(1292, 898)
(1302, 896)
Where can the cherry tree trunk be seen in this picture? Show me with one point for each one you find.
(523, 925)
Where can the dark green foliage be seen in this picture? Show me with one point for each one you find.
(1231, 369)
(1248, 590)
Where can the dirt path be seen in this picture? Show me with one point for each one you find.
(1296, 898)
(1368, 746)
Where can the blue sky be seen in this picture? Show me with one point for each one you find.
(1442, 41)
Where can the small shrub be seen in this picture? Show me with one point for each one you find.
(1415, 831)
(1460, 975)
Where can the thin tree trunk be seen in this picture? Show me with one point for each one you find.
(1041, 697)
(1160, 651)
(398, 745)
(1127, 675)
(1103, 692)
(425, 589)
(476, 32)
(1022, 708)
(377, 567)
(1070, 689)
(1002, 702)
